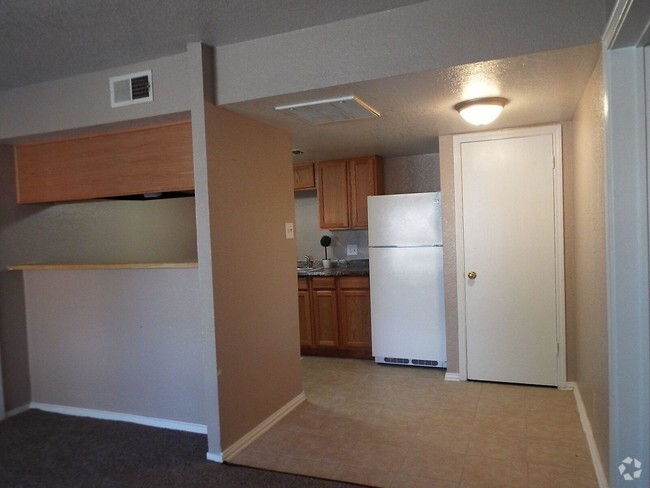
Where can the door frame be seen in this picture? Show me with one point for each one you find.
(627, 160)
(556, 131)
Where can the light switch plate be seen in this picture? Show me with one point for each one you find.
(352, 249)
(288, 230)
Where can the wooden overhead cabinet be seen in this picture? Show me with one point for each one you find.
(303, 177)
(343, 189)
(139, 161)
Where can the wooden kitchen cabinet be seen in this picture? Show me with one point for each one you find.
(366, 178)
(326, 321)
(343, 189)
(354, 301)
(332, 187)
(304, 313)
(304, 177)
(145, 160)
(340, 316)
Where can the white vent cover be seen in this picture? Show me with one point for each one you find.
(130, 89)
(331, 110)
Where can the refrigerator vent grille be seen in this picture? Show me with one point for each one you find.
(396, 360)
(414, 362)
(424, 362)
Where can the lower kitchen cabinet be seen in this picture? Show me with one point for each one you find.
(354, 302)
(304, 311)
(339, 324)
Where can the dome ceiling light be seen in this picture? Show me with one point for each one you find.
(481, 111)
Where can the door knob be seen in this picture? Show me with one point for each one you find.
(471, 275)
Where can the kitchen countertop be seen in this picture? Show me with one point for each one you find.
(354, 268)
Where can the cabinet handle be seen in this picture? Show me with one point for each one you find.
(471, 275)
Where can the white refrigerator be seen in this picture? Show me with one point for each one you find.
(406, 279)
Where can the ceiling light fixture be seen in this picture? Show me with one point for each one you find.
(330, 110)
(481, 111)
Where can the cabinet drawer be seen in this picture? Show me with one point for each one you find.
(324, 282)
(354, 282)
(302, 284)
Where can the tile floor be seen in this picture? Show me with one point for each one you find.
(391, 426)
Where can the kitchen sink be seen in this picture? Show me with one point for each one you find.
(305, 270)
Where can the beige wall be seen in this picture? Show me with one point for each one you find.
(589, 266)
(253, 270)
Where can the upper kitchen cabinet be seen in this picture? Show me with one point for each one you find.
(152, 159)
(303, 177)
(343, 189)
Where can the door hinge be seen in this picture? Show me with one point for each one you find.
(557, 349)
(553, 162)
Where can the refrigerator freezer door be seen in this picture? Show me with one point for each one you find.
(412, 219)
(407, 303)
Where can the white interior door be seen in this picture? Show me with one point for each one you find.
(509, 227)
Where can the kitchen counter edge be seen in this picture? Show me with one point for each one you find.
(342, 271)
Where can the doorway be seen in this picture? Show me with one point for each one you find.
(510, 255)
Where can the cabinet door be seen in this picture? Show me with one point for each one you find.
(325, 318)
(366, 178)
(304, 308)
(354, 303)
(303, 177)
(144, 160)
(332, 185)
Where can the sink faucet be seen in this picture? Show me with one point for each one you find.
(309, 260)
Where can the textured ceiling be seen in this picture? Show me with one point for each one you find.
(417, 108)
(43, 40)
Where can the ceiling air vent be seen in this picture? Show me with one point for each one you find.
(330, 110)
(130, 89)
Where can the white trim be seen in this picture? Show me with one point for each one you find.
(601, 475)
(615, 22)
(217, 458)
(121, 417)
(254, 434)
(556, 131)
(453, 377)
(627, 25)
(17, 410)
(627, 259)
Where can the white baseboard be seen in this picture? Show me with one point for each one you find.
(17, 410)
(122, 417)
(452, 377)
(254, 434)
(591, 441)
(217, 458)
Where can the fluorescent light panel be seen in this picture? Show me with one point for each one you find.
(331, 110)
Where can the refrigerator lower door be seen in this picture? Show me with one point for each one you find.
(407, 306)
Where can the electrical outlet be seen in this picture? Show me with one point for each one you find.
(288, 230)
(352, 249)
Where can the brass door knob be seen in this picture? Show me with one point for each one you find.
(471, 275)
